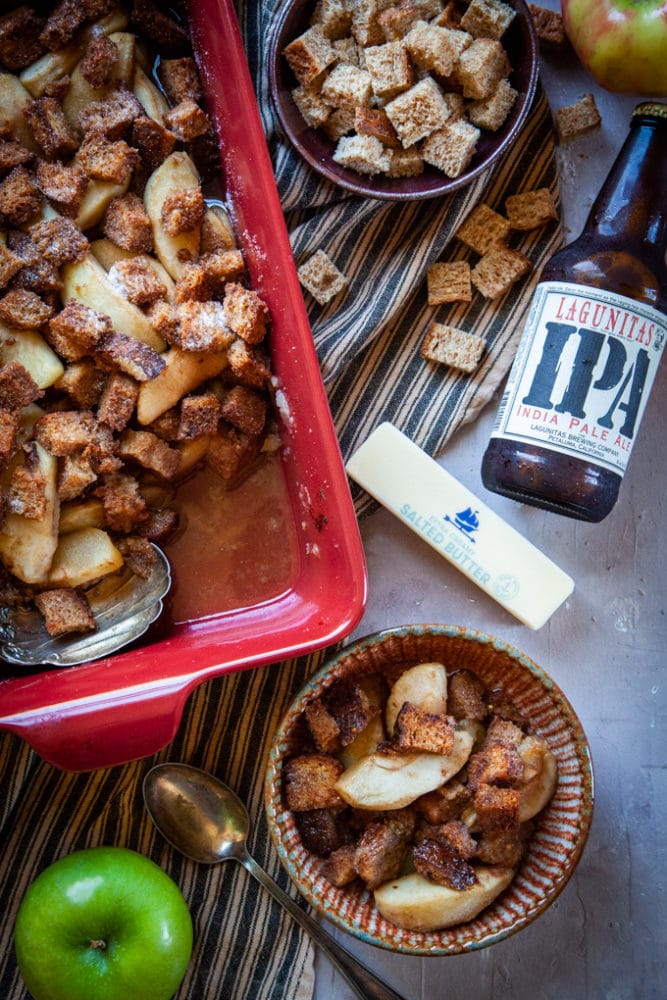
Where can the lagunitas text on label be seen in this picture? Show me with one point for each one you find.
(583, 373)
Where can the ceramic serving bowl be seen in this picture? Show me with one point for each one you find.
(293, 18)
(561, 828)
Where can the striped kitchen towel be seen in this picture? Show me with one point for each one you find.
(368, 342)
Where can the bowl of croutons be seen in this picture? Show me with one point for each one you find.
(403, 101)
(430, 790)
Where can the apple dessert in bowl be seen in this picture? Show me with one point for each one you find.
(430, 790)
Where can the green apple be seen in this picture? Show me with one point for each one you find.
(103, 924)
(622, 43)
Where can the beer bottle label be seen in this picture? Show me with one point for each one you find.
(582, 373)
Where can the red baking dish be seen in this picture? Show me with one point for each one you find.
(129, 705)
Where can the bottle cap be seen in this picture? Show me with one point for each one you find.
(654, 108)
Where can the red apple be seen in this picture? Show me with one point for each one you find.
(622, 43)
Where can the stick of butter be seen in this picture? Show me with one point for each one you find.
(459, 526)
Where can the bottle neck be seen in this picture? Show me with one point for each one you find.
(631, 208)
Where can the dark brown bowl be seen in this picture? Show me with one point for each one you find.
(293, 18)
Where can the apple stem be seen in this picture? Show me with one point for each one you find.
(98, 944)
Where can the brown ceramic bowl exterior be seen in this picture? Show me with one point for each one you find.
(561, 829)
(293, 18)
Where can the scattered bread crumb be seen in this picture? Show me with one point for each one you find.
(320, 276)
(575, 120)
(449, 346)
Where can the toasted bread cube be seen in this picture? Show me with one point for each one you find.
(505, 847)
(448, 282)
(323, 727)
(62, 23)
(137, 281)
(124, 506)
(310, 780)
(320, 276)
(466, 696)
(9, 427)
(339, 868)
(245, 313)
(20, 43)
(64, 432)
(113, 117)
(201, 326)
(107, 161)
(194, 283)
(313, 108)
(180, 79)
(139, 555)
(405, 163)
(231, 453)
(483, 228)
(320, 830)
(199, 417)
(27, 489)
(549, 26)
(452, 147)
(50, 128)
(383, 846)
(159, 525)
(444, 803)
(248, 364)
(418, 731)
(481, 68)
(244, 409)
(496, 764)
(347, 87)
(365, 28)
(531, 209)
(65, 611)
(187, 120)
(126, 224)
(494, 274)
(374, 121)
(83, 382)
(77, 330)
(64, 186)
(363, 153)
(167, 34)
(449, 346)
(390, 69)
(118, 401)
(153, 141)
(575, 120)
(491, 113)
(13, 154)
(150, 452)
(10, 264)
(119, 352)
(20, 199)
(497, 808)
(17, 387)
(488, 18)
(348, 51)
(75, 474)
(221, 266)
(436, 49)
(182, 211)
(396, 21)
(99, 61)
(309, 54)
(59, 241)
(24, 310)
(437, 862)
(334, 18)
(339, 123)
(418, 112)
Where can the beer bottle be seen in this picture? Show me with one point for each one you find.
(592, 342)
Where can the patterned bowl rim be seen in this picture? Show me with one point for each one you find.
(464, 937)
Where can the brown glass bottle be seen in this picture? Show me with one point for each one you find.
(588, 354)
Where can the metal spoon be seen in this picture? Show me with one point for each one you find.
(123, 606)
(206, 821)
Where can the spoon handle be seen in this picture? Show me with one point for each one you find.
(365, 984)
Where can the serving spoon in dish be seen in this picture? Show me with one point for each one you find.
(123, 607)
(207, 822)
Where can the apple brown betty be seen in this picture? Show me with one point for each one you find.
(421, 786)
(132, 348)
